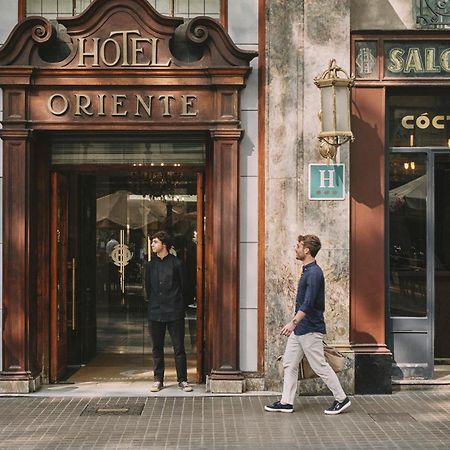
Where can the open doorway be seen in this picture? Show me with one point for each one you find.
(103, 223)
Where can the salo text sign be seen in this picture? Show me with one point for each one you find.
(417, 59)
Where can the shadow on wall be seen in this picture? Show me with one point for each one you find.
(381, 15)
(366, 186)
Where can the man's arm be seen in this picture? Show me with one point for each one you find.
(290, 326)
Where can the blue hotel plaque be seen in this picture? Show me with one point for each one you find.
(326, 182)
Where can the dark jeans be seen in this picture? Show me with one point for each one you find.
(176, 331)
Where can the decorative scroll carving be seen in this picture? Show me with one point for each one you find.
(123, 35)
(433, 14)
(18, 48)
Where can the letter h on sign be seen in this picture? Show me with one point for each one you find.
(326, 182)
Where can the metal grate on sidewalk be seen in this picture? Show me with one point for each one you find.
(116, 409)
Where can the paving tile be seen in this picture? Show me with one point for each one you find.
(402, 420)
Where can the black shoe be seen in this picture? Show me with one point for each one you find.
(279, 407)
(338, 407)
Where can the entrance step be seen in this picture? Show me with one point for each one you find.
(440, 381)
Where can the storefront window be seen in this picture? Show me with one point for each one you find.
(408, 234)
(180, 8)
(420, 119)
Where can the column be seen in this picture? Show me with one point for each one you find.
(19, 325)
(224, 270)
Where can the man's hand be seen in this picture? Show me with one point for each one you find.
(288, 329)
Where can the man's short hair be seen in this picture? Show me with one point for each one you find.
(165, 238)
(312, 242)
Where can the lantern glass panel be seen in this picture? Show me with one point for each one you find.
(327, 109)
(342, 108)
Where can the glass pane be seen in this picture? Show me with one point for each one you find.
(212, 7)
(124, 151)
(130, 208)
(442, 260)
(34, 7)
(327, 111)
(81, 5)
(407, 234)
(420, 118)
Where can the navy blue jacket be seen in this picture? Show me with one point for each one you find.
(311, 300)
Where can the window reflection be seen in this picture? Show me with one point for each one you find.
(407, 235)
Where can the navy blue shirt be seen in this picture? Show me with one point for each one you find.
(164, 283)
(311, 300)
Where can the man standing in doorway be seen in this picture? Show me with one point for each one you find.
(165, 284)
(305, 332)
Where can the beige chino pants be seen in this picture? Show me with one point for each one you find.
(310, 345)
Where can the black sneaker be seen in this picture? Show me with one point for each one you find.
(279, 407)
(338, 407)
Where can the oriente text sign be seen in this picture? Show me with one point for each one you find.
(123, 104)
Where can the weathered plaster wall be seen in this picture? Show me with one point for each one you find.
(302, 37)
(382, 15)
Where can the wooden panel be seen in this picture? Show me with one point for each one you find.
(16, 352)
(200, 275)
(225, 262)
(367, 218)
(58, 280)
(41, 157)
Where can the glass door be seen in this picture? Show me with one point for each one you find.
(110, 220)
(419, 259)
(442, 258)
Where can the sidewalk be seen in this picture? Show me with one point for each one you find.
(412, 419)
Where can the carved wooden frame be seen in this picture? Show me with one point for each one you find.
(214, 79)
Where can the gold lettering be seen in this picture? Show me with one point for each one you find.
(117, 102)
(396, 61)
(155, 55)
(166, 101)
(430, 54)
(413, 61)
(82, 53)
(124, 43)
(135, 50)
(423, 122)
(64, 101)
(186, 103)
(103, 55)
(101, 105)
(406, 124)
(147, 107)
(437, 122)
(79, 107)
(445, 60)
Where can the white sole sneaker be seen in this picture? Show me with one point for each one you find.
(333, 413)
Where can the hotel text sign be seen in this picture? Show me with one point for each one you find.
(417, 59)
(124, 48)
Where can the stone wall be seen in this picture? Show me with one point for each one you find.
(302, 37)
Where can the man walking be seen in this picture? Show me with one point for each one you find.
(305, 332)
(165, 285)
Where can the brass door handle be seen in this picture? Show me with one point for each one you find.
(74, 284)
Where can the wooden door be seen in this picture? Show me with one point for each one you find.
(200, 285)
(58, 276)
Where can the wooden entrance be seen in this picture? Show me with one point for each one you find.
(125, 69)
